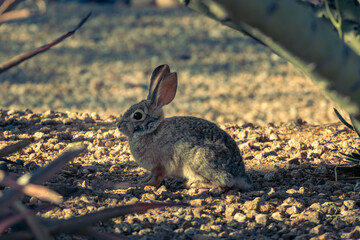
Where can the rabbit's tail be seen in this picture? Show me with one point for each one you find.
(243, 182)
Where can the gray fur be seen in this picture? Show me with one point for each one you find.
(185, 147)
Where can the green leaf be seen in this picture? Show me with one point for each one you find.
(343, 120)
(356, 125)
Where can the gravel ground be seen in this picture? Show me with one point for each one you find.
(77, 91)
(292, 166)
(223, 75)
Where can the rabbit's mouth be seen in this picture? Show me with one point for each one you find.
(149, 127)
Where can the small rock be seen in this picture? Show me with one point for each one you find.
(353, 234)
(31, 166)
(315, 206)
(67, 121)
(261, 219)
(350, 204)
(236, 235)
(292, 210)
(217, 228)
(319, 229)
(320, 169)
(48, 122)
(266, 208)
(109, 144)
(20, 162)
(68, 213)
(252, 205)
(329, 208)
(277, 216)
(197, 211)
(294, 161)
(251, 214)
(45, 130)
(197, 202)
(229, 211)
(273, 137)
(148, 196)
(145, 231)
(123, 228)
(241, 218)
(190, 231)
(3, 166)
(271, 153)
(95, 116)
(294, 144)
(270, 176)
(48, 113)
(314, 217)
(338, 223)
(63, 136)
(38, 135)
(89, 120)
(10, 127)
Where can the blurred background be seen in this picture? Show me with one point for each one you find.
(105, 67)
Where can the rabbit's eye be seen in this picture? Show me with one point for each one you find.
(138, 115)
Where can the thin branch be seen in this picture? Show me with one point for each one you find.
(40, 231)
(41, 175)
(33, 190)
(15, 147)
(16, 14)
(11, 220)
(24, 56)
(5, 5)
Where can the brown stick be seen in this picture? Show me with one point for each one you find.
(24, 56)
(33, 190)
(14, 147)
(16, 14)
(39, 176)
(39, 230)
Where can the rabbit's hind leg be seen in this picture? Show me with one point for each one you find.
(158, 174)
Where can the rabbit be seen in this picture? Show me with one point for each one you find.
(180, 147)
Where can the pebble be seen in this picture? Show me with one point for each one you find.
(319, 229)
(3, 166)
(241, 218)
(20, 162)
(294, 161)
(230, 211)
(350, 204)
(277, 216)
(252, 205)
(262, 219)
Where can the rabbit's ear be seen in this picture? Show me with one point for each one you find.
(165, 91)
(156, 76)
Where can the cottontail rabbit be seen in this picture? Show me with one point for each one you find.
(185, 147)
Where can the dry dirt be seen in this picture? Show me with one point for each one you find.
(292, 166)
(224, 77)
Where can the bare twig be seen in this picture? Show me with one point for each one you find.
(6, 5)
(40, 232)
(16, 14)
(39, 176)
(11, 220)
(33, 190)
(24, 56)
(15, 147)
